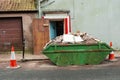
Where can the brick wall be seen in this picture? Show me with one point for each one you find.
(27, 19)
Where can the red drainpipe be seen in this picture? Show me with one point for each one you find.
(67, 25)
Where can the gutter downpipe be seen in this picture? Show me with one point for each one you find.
(39, 9)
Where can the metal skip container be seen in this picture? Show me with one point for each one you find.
(77, 54)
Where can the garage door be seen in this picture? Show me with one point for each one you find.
(11, 33)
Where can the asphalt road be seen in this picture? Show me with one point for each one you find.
(89, 72)
(45, 70)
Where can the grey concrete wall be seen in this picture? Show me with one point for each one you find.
(100, 18)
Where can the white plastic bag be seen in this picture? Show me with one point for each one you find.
(77, 39)
(68, 38)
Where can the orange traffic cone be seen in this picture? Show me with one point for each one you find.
(13, 62)
(110, 44)
(112, 56)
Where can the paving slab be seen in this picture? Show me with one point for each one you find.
(19, 57)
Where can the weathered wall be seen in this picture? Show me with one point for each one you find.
(27, 26)
(99, 18)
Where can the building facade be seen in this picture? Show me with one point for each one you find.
(16, 18)
(99, 18)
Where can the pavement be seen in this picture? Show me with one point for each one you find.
(42, 62)
(19, 56)
(30, 57)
